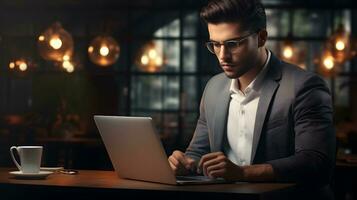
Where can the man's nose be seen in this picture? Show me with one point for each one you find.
(223, 53)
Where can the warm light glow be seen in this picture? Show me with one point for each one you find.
(328, 62)
(56, 43)
(12, 65)
(152, 53)
(104, 50)
(66, 64)
(90, 49)
(288, 52)
(158, 61)
(70, 68)
(340, 45)
(144, 60)
(23, 66)
(66, 57)
(41, 38)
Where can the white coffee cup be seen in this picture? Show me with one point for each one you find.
(30, 158)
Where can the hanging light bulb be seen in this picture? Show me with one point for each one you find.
(288, 52)
(340, 41)
(150, 60)
(21, 64)
(144, 60)
(11, 65)
(55, 43)
(103, 51)
(68, 66)
(327, 63)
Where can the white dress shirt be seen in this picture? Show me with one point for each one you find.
(241, 119)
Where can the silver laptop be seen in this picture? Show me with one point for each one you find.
(136, 151)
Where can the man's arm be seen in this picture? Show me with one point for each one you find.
(199, 144)
(314, 156)
(216, 165)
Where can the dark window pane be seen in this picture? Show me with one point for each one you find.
(277, 22)
(342, 91)
(190, 23)
(189, 55)
(155, 92)
(189, 96)
(154, 23)
(311, 23)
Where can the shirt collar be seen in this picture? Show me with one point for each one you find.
(255, 84)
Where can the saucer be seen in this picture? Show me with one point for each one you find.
(41, 175)
(52, 169)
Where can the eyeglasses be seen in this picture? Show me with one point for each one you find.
(231, 45)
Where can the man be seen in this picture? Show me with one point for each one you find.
(262, 119)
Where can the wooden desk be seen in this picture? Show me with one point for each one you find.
(106, 185)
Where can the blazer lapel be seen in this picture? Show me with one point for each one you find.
(270, 85)
(220, 117)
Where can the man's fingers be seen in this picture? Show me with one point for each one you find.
(173, 167)
(216, 173)
(209, 164)
(190, 163)
(174, 161)
(205, 158)
(215, 167)
(186, 162)
(180, 157)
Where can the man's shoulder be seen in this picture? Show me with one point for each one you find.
(291, 72)
(217, 81)
(299, 77)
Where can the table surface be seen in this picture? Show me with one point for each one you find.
(109, 180)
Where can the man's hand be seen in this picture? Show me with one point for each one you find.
(216, 165)
(181, 164)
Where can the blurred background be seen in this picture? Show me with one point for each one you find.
(62, 61)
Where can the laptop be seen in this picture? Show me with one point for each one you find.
(136, 152)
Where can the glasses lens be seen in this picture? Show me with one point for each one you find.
(232, 45)
(210, 47)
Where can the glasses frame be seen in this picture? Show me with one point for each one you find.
(237, 40)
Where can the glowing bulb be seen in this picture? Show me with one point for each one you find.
(158, 61)
(23, 66)
(152, 54)
(12, 65)
(144, 60)
(56, 43)
(41, 38)
(70, 68)
(104, 50)
(328, 62)
(66, 64)
(340, 45)
(90, 49)
(66, 57)
(288, 52)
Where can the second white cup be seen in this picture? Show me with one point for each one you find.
(30, 158)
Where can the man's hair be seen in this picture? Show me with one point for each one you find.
(250, 14)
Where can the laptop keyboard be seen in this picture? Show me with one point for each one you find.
(193, 178)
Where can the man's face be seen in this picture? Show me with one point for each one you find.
(244, 57)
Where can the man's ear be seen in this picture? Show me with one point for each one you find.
(262, 37)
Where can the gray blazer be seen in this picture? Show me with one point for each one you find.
(293, 130)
